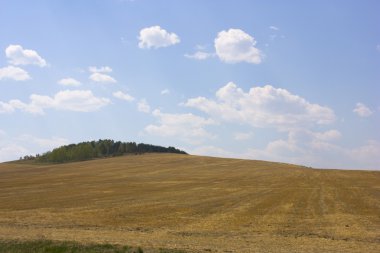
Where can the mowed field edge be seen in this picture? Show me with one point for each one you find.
(192, 203)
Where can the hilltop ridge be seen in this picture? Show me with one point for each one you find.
(98, 149)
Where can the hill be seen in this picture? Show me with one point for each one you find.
(98, 149)
(199, 204)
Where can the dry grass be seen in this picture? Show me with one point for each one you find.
(192, 203)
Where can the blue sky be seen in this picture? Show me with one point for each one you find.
(288, 81)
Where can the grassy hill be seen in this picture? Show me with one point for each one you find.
(197, 204)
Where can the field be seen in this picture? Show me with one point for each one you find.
(191, 203)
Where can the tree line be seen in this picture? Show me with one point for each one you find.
(98, 149)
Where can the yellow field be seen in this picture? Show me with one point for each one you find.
(199, 204)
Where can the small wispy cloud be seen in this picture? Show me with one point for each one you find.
(165, 92)
(199, 55)
(102, 69)
(123, 96)
(242, 136)
(98, 74)
(143, 106)
(362, 110)
(200, 47)
(102, 78)
(69, 82)
(275, 28)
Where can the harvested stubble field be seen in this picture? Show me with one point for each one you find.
(197, 204)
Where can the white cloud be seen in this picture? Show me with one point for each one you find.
(156, 37)
(71, 100)
(262, 107)
(13, 73)
(18, 56)
(12, 152)
(316, 149)
(6, 107)
(330, 135)
(123, 96)
(378, 47)
(12, 148)
(304, 148)
(97, 74)
(102, 78)
(43, 143)
(103, 69)
(36, 105)
(242, 136)
(165, 92)
(275, 28)
(362, 110)
(69, 82)
(187, 127)
(16, 104)
(211, 151)
(367, 155)
(199, 55)
(235, 46)
(143, 106)
(68, 100)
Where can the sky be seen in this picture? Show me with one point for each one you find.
(287, 81)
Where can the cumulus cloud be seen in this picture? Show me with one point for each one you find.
(143, 106)
(156, 37)
(69, 82)
(262, 107)
(18, 56)
(187, 127)
(68, 100)
(362, 110)
(123, 96)
(71, 100)
(13, 73)
(235, 46)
